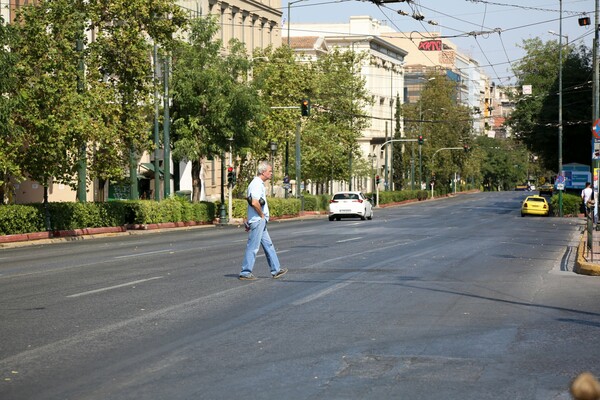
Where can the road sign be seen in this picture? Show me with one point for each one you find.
(560, 186)
(560, 179)
(595, 149)
(596, 129)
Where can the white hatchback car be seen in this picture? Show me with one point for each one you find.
(350, 204)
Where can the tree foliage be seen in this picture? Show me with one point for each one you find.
(338, 98)
(74, 91)
(443, 124)
(214, 108)
(11, 138)
(535, 118)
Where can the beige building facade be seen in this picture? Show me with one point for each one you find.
(383, 72)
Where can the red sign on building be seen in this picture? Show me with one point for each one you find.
(430, 45)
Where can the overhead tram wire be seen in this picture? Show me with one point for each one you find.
(524, 7)
(489, 62)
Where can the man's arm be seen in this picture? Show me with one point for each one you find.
(256, 205)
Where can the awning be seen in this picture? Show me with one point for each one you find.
(149, 167)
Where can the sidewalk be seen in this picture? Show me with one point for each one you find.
(588, 257)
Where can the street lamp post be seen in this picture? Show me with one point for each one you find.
(560, 90)
(273, 146)
(230, 191)
(289, 19)
(371, 158)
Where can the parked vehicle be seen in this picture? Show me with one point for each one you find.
(546, 189)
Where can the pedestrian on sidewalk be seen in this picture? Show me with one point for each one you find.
(586, 195)
(256, 225)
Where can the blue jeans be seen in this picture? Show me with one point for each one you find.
(259, 236)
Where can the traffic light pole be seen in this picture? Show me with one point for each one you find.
(391, 141)
(230, 187)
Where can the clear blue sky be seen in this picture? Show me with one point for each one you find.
(516, 20)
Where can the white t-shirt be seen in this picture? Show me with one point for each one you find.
(586, 194)
(257, 190)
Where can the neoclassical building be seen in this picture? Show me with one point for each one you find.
(383, 72)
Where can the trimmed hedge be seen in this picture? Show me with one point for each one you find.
(402, 195)
(571, 204)
(69, 216)
(20, 219)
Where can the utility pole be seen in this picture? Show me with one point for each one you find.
(560, 122)
(166, 133)
(156, 133)
(82, 162)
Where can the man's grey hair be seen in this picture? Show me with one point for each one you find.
(262, 167)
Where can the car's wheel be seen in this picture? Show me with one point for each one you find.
(362, 217)
(331, 218)
(370, 217)
(522, 214)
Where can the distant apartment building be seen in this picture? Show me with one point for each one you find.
(429, 52)
(500, 105)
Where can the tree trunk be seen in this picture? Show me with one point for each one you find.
(196, 180)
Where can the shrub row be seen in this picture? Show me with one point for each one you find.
(16, 219)
(571, 204)
(68, 216)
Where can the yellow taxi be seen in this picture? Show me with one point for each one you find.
(535, 205)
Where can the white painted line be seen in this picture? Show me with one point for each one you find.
(114, 287)
(145, 254)
(321, 293)
(349, 240)
(306, 231)
(278, 252)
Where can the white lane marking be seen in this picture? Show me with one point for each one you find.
(322, 293)
(278, 252)
(114, 287)
(144, 254)
(349, 240)
(306, 231)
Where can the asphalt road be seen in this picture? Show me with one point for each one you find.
(457, 298)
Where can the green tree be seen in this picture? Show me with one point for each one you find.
(330, 137)
(535, 118)
(338, 99)
(504, 162)
(11, 139)
(52, 114)
(444, 124)
(120, 66)
(399, 148)
(282, 82)
(61, 110)
(214, 106)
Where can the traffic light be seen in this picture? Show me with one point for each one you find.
(466, 147)
(377, 180)
(421, 139)
(584, 21)
(230, 177)
(305, 107)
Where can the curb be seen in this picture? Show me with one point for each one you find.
(582, 266)
(26, 239)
